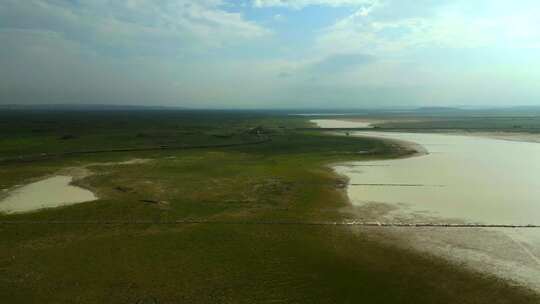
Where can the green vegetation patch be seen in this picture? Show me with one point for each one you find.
(284, 179)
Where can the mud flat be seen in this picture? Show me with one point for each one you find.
(47, 193)
(461, 179)
(55, 191)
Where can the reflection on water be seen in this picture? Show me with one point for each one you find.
(51, 192)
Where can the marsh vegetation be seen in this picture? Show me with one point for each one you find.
(285, 179)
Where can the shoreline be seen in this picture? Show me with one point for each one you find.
(517, 136)
(430, 241)
(77, 176)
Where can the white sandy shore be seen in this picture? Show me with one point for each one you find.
(370, 123)
(510, 136)
(332, 123)
(513, 255)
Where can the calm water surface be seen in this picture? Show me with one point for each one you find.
(48, 193)
(461, 179)
(464, 177)
(330, 123)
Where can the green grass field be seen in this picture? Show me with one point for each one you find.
(284, 179)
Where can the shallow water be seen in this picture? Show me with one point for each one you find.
(48, 193)
(330, 123)
(461, 179)
(473, 179)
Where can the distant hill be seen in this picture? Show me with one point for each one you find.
(83, 107)
(438, 109)
(526, 108)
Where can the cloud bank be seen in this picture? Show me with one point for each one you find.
(231, 54)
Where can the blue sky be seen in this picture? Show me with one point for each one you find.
(271, 53)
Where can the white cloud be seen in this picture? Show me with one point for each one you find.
(129, 51)
(279, 17)
(205, 52)
(441, 25)
(169, 25)
(298, 4)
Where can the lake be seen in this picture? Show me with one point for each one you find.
(461, 179)
(47, 193)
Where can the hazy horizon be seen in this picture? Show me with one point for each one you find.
(271, 54)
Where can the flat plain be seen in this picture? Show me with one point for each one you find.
(249, 186)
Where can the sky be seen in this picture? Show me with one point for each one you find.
(270, 53)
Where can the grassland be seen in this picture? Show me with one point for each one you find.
(285, 179)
